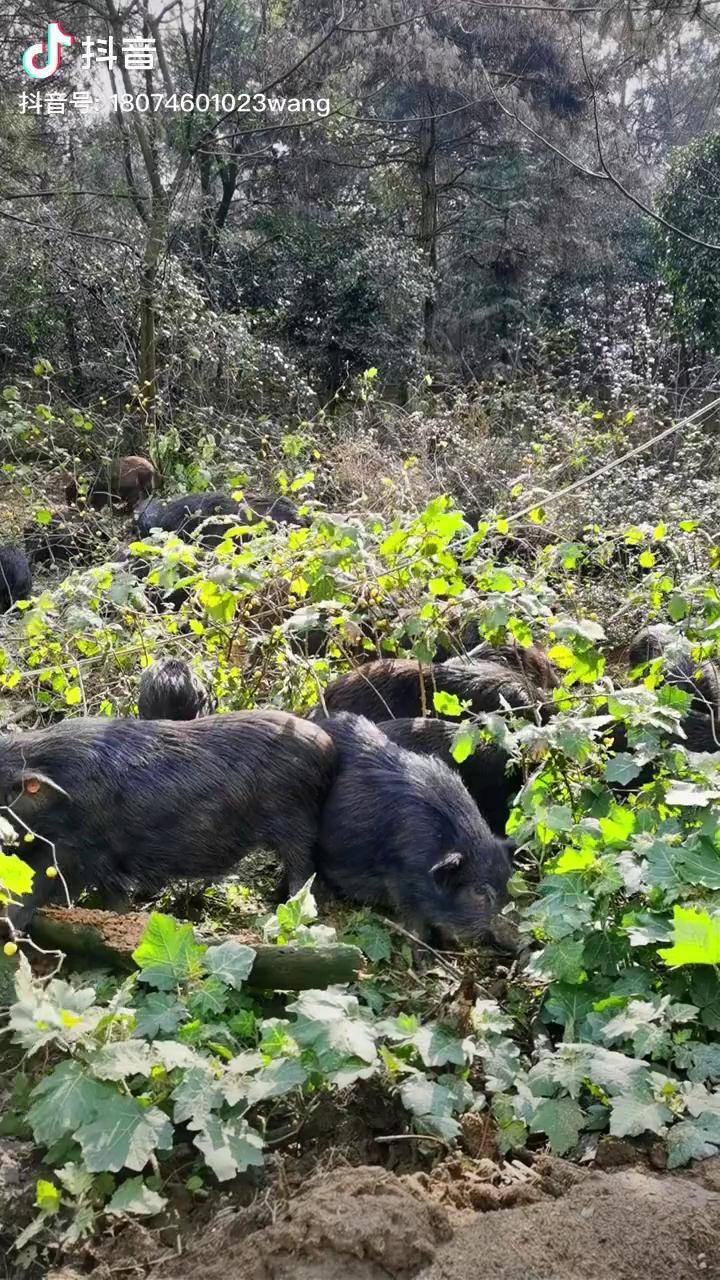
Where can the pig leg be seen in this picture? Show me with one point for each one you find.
(299, 871)
(296, 853)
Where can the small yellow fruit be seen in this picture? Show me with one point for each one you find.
(51, 872)
(28, 837)
(10, 948)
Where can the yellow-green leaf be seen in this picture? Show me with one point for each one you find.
(696, 938)
(15, 875)
(47, 1196)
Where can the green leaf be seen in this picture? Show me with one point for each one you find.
(133, 1197)
(573, 860)
(700, 1061)
(438, 1046)
(704, 990)
(63, 1100)
(632, 1023)
(208, 998)
(447, 704)
(167, 954)
(231, 962)
(76, 1180)
(171, 1054)
(329, 1023)
(701, 863)
(562, 1120)
(512, 1132)
(664, 867)
(196, 1097)
(569, 1005)
(562, 960)
(373, 939)
(630, 1117)
(690, 794)
(275, 1080)
(618, 826)
(47, 1196)
(622, 768)
(16, 877)
(644, 928)
(558, 818)
(696, 938)
(121, 1059)
(690, 1140)
(464, 743)
(432, 1104)
(563, 905)
(158, 1013)
(616, 1073)
(229, 1147)
(501, 1063)
(124, 1135)
(566, 1068)
(292, 916)
(677, 607)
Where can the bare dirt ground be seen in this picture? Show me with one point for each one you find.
(370, 1225)
(367, 1223)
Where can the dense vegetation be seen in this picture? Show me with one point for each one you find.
(455, 319)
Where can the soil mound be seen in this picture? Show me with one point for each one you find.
(352, 1224)
(368, 1224)
(607, 1227)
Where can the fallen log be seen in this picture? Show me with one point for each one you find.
(101, 937)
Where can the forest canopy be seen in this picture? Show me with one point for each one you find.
(418, 187)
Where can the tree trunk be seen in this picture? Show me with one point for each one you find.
(427, 170)
(73, 347)
(147, 361)
(100, 937)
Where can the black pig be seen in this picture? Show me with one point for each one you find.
(186, 513)
(394, 688)
(170, 690)
(701, 679)
(486, 775)
(136, 804)
(529, 661)
(182, 514)
(400, 828)
(15, 577)
(65, 537)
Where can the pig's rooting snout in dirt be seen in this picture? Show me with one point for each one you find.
(401, 829)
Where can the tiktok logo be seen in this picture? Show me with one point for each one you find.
(56, 39)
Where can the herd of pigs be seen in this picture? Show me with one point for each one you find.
(364, 792)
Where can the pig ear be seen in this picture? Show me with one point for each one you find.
(32, 783)
(446, 871)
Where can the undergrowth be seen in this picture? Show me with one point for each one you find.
(609, 1023)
